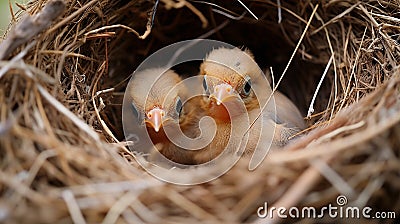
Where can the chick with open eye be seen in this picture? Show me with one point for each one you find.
(232, 77)
(156, 103)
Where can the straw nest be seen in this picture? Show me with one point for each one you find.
(65, 66)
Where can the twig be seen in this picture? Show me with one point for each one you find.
(294, 194)
(37, 164)
(369, 190)
(96, 109)
(333, 177)
(223, 10)
(11, 12)
(347, 11)
(278, 2)
(390, 18)
(62, 109)
(146, 214)
(247, 9)
(228, 15)
(145, 34)
(18, 57)
(284, 71)
(182, 3)
(188, 205)
(12, 182)
(73, 207)
(23, 66)
(68, 54)
(149, 25)
(272, 77)
(30, 26)
(337, 131)
(202, 18)
(337, 145)
(119, 206)
(353, 69)
(150, 21)
(334, 66)
(6, 126)
(311, 108)
(71, 16)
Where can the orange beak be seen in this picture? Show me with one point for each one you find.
(155, 118)
(222, 93)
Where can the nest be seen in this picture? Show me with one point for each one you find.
(65, 66)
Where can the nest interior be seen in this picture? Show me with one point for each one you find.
(62, 145)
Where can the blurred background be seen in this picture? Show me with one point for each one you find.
(5, 15)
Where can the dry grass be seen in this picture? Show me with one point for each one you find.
(63, 157)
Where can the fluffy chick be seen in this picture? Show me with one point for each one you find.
(157, 104)
(231, 76)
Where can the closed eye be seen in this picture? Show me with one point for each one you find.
(178, 105)
(205, 85)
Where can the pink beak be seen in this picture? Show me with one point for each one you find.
(155, 118)
(222, 93)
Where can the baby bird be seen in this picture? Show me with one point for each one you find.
(156, 104)
(232, 78)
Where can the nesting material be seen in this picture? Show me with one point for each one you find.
(63, 157)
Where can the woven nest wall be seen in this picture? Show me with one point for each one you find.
(65, 66)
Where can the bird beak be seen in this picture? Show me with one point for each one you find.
(155, 118)
(222, 93)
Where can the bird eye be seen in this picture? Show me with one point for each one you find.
(205, 86)
(247, 87)
(178, 106)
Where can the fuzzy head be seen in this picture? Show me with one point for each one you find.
(155, 97)
(232, 74)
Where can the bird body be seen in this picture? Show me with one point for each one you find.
(238, 90)
(247, 119)
(157, 104)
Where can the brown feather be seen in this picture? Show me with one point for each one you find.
(234, 67)
(158, 87)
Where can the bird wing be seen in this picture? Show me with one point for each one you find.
(261, 138)
(287, 112)
(273, 129)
